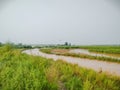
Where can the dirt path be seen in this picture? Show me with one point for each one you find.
(111, 68)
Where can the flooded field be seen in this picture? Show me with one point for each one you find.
(85, 51)
(111, 68)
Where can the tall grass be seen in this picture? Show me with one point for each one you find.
(23, 72)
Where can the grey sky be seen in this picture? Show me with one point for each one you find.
(57, 21)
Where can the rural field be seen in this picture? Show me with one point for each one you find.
(19, 71)
(104, 53)
(59, 44)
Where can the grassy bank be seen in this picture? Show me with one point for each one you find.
(103, 49)
(23, 72)
(51, 51)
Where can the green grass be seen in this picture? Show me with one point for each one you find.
(103, 49)
(49, 51)
(24, 72)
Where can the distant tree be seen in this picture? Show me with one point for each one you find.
(69, 44)
(20, 45)
(66, 44)
(27, 46)
(0, 44)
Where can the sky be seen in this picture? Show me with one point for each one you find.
(81, 22)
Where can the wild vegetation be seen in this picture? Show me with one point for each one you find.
(51, 51)
(20, 71)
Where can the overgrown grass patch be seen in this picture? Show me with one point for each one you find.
(24, 72)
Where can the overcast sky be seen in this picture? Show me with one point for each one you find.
(56, 21)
